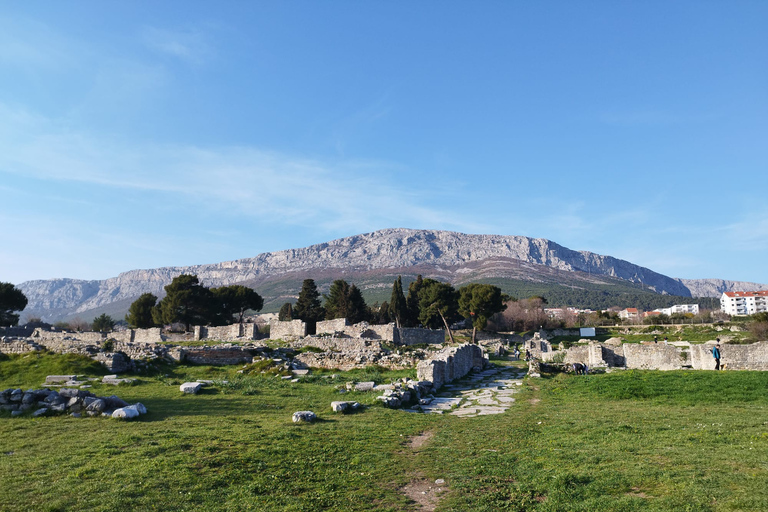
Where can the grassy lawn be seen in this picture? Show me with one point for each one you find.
(620, 441)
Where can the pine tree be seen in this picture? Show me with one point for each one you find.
(357, 309)
(103, 323)
(336, 301)
(412, 302)
(345, 301)
(438, 302)
(479, 302)
(233, 301)
(140, 313)
(308, 307)
(11, 299)
(187, 302)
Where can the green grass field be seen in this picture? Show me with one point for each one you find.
(623, 441)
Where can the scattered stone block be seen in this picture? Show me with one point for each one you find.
(59, 379)
(191, 388)
(304, 417)
(364, 386)
(392, 402)
(114, 380)
(345, 407)
(129, 412)
(97, 406)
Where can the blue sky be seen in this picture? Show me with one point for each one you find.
(146, 134)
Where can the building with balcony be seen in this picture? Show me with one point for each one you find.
(744, 303)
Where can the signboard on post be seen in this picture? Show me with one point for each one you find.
(587, 332)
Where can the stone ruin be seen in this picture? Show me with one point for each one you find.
(654, 356)
(341, 328)
(72, 401)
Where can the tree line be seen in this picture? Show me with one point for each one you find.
(429, 303)
(188, 302)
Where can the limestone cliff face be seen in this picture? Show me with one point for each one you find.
(716, 287)
(385, 249)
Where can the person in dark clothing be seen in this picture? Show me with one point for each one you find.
(580, 369)
(716, 355)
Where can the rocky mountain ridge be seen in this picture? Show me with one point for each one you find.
(389, 249)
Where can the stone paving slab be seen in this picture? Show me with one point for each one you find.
(481, 394)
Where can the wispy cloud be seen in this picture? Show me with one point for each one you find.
(190, 45)
(33, 45)
(343, 195)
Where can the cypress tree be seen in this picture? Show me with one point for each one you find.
(286, 312)
(397, 304)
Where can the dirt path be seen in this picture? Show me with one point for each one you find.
(479, 394)
(426, 493)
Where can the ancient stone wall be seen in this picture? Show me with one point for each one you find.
(351, 360)
(292, 329)
(660, 356)
(735, 357)
(17, 346)
(17, 331)
(380, 332)
(334, 344)
(450, 364)
(225, 332)
(657, 356)
(416, 336)
(152, 335)
(89, 337)
(221, 355)
(332, 326)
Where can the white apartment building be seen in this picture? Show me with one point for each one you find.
(680, 308)
(744, 303)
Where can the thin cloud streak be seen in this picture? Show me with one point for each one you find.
(278, 188)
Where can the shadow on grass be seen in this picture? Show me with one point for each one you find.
(159, 409)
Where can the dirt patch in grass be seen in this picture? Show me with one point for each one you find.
(637, 493)
(425, 493)
(416, 442)
(534, 401)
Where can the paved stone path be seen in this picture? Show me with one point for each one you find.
(478, 394)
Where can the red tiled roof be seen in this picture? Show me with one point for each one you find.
(761, 293)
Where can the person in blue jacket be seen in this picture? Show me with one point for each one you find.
(716, 355)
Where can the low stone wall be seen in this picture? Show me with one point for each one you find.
(359, 359)
(660, 356)
(213, 355)
(334, 344)
(292, 329)
(90, 337)
(152, 335)
(226, 332)
(332, 326)
(735, 357)
(17, 346)
(450, 364)
(17, 331)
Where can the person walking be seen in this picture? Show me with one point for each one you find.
(517, 353)
(716, 355)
